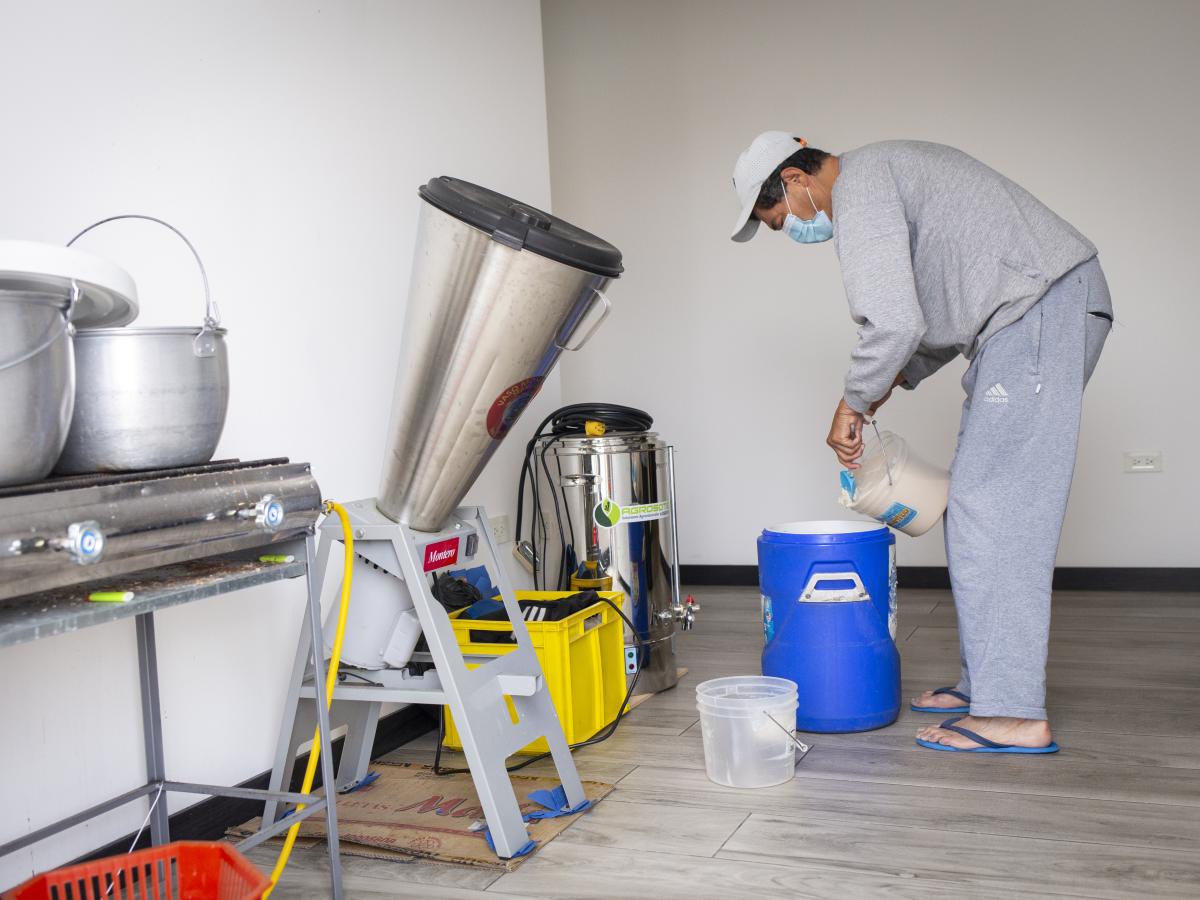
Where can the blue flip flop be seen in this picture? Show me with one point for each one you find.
(988, 746)
(945, 709)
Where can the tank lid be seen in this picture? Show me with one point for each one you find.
(521, 226)
(612, 442)
(834, 531)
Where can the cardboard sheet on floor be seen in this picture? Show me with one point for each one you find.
(638, 699)
(408, 811)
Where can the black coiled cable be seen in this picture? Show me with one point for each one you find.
(564, 422)
(572, 419)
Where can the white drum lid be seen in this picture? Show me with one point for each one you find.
(832, 526)
(107, 294)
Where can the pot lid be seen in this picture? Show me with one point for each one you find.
(522, 226)
(107, 294)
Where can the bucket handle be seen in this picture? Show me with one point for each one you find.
(600, 321)
(205, 343)
(63, 326)
(800, 745)
(887, 463)
(813, 594)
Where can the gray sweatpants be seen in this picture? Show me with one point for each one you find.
(1009, 485)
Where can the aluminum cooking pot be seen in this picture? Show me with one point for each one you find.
(148, 398)
(37, 379)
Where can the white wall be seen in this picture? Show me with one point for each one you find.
(287, 140)
(739, 350)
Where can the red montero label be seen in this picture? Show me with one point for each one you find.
(441, 554)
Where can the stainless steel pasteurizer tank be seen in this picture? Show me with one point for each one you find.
(605, 512)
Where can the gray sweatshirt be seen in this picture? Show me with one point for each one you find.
(938, 253)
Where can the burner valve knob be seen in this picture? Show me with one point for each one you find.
(268, 512)
(84, 542)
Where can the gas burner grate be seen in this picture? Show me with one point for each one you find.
(82, 528)
(101, 479)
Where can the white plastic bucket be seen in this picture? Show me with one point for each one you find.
(743, 747)
(895, 486)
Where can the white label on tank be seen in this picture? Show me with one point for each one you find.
(608, 513)
(644, 512)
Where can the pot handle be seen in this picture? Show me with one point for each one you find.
(204, 344)
(63, 326)
(588, 335)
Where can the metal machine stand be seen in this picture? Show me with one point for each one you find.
(67, 609)
(476, 697)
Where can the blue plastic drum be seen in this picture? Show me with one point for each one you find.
(829, 621)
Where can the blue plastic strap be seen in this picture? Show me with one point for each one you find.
(368, 779)
(968, 733)
(523, 851)
(555, 802)
(481, 608)
(958, 695)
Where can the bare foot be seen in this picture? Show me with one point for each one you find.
(938, 701)
(1001, 729)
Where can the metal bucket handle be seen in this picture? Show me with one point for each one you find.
(800, 745)
(64, 327)
(204, 344)
(588, 334)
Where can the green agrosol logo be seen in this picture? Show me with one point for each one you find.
(607, 513)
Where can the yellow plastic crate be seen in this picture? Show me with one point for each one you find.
(582, 657)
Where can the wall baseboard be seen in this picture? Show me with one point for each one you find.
(1066, 578)
(208, 819)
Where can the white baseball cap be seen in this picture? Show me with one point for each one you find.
(755, 166)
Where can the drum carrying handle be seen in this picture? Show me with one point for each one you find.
(204, 343)
(813, 594)
(600, 321)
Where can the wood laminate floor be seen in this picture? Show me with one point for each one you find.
(1115, 814)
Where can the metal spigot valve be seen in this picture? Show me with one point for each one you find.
(684, 613)
(690, 608)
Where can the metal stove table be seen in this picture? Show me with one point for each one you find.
(170, 538)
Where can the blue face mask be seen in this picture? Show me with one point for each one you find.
(806, 231)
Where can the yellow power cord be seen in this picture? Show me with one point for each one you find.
(330, 680)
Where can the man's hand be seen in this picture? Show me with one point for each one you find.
(845, 435)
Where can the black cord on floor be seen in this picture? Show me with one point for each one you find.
(602, 735)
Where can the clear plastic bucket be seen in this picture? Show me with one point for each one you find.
(895, 486)
(747, 722)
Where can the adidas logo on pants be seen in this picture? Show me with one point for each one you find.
(995, 394)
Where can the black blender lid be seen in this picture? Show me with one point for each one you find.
(522, 226)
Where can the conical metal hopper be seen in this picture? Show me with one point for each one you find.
(499, 289)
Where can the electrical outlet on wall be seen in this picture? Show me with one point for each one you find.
(1143, 461)
(500, 529)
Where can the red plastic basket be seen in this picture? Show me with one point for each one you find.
(186, 870)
